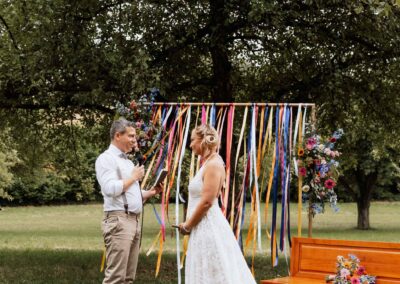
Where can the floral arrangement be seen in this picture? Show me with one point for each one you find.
(318, 167)
(349, 271)
(147, 133)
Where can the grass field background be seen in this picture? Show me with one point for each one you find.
(63, 244)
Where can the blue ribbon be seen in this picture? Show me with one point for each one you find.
(275, 190)
(288, 118)
(157, 216)
(285, 173)
(265, 123)
(212, 115)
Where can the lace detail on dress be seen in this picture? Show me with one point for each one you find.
(213, 255)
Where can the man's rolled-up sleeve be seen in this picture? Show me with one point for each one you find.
(106, 173)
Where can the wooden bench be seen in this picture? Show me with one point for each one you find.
(313, 259)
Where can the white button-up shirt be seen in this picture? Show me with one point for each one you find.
(111, 184)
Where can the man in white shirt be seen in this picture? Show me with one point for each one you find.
(123, 202)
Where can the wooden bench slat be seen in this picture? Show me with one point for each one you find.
(313, 259)
(304, 280)
(292, 280)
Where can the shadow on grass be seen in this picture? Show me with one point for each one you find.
(79, 266)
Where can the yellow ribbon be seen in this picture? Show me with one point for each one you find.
(184, 251)
(159, 256)
(148, 172)
(103, 260)
(153, 244)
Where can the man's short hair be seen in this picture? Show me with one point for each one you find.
(119, 126)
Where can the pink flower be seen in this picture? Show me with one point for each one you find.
(329, 184)
(303, 171)
(361, 270)
(311, 141)
(309, 146)
(355, 280)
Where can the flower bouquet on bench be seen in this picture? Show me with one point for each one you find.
(349, 271)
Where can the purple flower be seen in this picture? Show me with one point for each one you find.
(344, 272)
(324, 168)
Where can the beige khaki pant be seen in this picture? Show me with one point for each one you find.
(121, 234)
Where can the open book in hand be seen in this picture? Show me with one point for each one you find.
(160, 178)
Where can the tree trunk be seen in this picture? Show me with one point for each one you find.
(366, 183)
(219, 50)
(310, 219)
(363, 214)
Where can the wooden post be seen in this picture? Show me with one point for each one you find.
(312, 105)
(310, 218)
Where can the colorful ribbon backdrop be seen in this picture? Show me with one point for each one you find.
(262, 165)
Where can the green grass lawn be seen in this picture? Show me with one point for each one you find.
(63, 244)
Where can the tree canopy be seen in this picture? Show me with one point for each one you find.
(62, 60)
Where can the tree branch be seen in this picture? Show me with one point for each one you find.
(9, 32)
(189, 84)
(97, 12)
(161, 56)
(46, 106)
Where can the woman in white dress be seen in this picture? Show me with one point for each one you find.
(213, 254)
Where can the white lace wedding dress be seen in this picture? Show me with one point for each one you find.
(213, 254)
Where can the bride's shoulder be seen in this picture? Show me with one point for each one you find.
(215, 168)
(216, 162)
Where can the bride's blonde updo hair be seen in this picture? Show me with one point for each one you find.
(209, 138)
